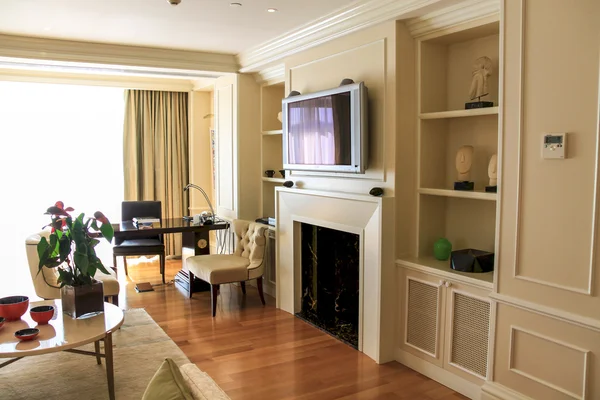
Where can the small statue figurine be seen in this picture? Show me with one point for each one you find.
(479, 86)
(464, 160)
(493, 174)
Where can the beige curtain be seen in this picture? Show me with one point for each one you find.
(155, 151)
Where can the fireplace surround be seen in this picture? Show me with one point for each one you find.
(372, 219)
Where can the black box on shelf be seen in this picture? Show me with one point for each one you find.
(472, 260)
(478, 104)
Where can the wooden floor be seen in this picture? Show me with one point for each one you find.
(256, 352)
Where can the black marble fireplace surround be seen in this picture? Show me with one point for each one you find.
(330, 281)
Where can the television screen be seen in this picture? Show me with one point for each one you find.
(319, 131)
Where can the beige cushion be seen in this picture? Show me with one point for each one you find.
(167, 384)
(219, 268)
(201, 384)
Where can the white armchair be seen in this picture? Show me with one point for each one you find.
(44, 282)
(244, 264)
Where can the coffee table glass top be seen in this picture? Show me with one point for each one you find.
(61, 333)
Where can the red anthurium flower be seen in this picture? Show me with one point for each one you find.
(60, 204)
(54, 210)
(100, 217)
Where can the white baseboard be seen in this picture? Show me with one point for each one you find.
(440, 375)
(496, 391)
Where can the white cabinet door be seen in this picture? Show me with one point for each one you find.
(423, 316)
(468, 316)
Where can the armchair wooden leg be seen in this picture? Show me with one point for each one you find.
(162, 267)
(125, 264)
(243, 285)
(114, 263)
(191, 284)
(259, 282)
(115, 300)
(214, 290)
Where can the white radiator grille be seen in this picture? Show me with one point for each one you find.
(422, 320)
(470, 331)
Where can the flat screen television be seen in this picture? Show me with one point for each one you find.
(327, 130)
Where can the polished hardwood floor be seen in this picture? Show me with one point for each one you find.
(256, 352)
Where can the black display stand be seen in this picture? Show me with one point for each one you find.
(478, 104)
(464, 185)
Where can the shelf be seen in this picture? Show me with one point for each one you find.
(475, 195)
(274, 180)
(476, 112)
(442, 268)
(269, 133)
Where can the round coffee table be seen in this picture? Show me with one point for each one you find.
(64, 333)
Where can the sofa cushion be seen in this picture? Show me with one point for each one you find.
(201, 384)
(167, 384)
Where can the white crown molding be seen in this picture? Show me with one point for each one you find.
(178, 63)
(464, 12)
(358, 15)
(276, 73)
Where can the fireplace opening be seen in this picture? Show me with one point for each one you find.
(330, 281)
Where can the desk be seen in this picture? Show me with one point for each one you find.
(195, 241)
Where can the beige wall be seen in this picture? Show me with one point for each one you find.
(548, 234)
(200, 149)
(367, 56)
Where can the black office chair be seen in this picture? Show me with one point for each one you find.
(144, 246)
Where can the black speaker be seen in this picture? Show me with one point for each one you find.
(376, 191)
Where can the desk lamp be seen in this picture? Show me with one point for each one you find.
(208, 220)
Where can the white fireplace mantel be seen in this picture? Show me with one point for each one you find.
(372, 218)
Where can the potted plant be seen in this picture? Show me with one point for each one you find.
(70, 248)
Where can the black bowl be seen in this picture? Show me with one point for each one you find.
(27, 334)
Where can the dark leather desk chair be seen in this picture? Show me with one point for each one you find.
(146, 246)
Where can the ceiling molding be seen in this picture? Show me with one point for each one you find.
(275, 73)
(125, 82)
(464, 12)
(85, 55)
(358, 15)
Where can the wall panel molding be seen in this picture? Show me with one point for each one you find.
(517, 274)
(514, 330)
(584, 322)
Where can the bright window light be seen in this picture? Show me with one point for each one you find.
(60, 142)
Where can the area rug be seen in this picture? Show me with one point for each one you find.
(140, 346)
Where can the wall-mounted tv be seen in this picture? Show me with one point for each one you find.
(327, 130)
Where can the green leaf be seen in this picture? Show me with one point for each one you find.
(81, 262)
(42, 247)
(107, 231)
(64, 248)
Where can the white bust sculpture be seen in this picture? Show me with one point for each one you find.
(481, 70)
(464, 159)
(493, 170)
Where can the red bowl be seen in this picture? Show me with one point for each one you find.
(27, 334)
(42, 314)
(12, 308)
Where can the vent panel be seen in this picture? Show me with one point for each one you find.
(422, 321)
(470, 330)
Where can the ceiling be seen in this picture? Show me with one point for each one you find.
(200, 25)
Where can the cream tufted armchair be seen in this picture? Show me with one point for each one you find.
(244, 264)
(44, 282)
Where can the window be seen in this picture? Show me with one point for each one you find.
(59, 142)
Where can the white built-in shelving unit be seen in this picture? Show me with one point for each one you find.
(445, 315)
(271, 155)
